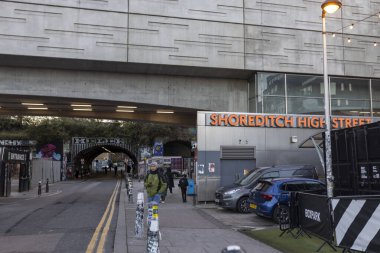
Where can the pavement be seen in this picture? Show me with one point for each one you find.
(185, 227)
(31, 194)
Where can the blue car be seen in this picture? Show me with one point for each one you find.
(265, 197)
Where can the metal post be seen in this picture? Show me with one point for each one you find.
(329, 175)
(39, 188)
(47, 185)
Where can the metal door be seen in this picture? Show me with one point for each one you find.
(232, 170)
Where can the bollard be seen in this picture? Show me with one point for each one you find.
(139, 224)
(153, 230)
(39, 188)
(130, 191)
(47, 184)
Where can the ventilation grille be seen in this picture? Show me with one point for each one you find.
(237, 152)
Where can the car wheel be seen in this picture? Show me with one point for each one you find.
(241, 206)
(281, 213)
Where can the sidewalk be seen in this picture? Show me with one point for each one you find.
(32, 193)
(186, 228)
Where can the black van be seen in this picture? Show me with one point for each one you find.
(235, 196)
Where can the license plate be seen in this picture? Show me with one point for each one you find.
(217, 200)
(253, 206)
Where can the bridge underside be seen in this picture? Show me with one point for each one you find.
(109, 85)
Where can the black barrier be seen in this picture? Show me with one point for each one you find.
(288, 219)
(356, 223)
(314, 215)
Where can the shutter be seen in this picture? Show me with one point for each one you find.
(237, 152)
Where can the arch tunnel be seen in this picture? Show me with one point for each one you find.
(90, 153)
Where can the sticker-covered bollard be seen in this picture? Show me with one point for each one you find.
(153, 231)
(130, 191)
(139, 224)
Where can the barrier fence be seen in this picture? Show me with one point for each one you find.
(354, 219)
(357, 223)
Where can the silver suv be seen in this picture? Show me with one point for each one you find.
(235, 196)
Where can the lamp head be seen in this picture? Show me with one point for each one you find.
(331, 6)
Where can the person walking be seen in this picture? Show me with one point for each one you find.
(183, 183)
(163, 176)
(154, 184)
(170, 181)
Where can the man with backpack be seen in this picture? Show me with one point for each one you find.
(154, 184)
(183, 183)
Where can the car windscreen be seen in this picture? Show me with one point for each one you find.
(249, 178)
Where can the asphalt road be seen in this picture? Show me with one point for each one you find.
(80, 217)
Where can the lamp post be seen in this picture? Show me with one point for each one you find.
(328, 7)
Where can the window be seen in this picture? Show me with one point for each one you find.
(293, 186)
(286, 173)
(375, 84)
(262, 186)
(314, 186)
(307, 173)
(273, 174)
(350, 96)
(271, 93)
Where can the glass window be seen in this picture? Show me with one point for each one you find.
(274, 104)
(347, 107)
(294, 186)
(271, 84)
(306, 105)
(349, 88)
(376, 108)
(375, 89)
(305, 86)
(376, 97)
(314, 186)
(308, 173)
(273, 174)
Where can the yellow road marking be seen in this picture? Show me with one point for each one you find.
(91, 245)
(106, 229)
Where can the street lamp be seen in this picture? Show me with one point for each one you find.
(329, 7)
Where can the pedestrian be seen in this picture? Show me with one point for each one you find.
(164, 178)
(154, 184)
(170, 179)
(109, 162)
(183, 183)
(115, 168)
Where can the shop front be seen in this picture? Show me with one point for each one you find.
(229, 144)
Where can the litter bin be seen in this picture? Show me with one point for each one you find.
(190, 187)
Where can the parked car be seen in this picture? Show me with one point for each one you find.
(235, 196)
(271, 196)
(176, 173)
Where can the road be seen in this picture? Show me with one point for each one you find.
(79, 217)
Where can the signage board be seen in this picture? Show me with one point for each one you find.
(281, 120)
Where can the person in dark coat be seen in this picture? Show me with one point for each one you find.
(169, 176)
(183, 183)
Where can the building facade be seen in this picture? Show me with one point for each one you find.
(239, 55)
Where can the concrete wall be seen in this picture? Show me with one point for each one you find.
(276, 35)
(43, 169)
(188, 92)
(272, 147)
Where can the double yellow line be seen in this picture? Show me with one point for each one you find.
(101, 237)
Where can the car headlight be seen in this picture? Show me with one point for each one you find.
(231, 191)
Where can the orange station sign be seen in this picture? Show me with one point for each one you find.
(282, 121)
